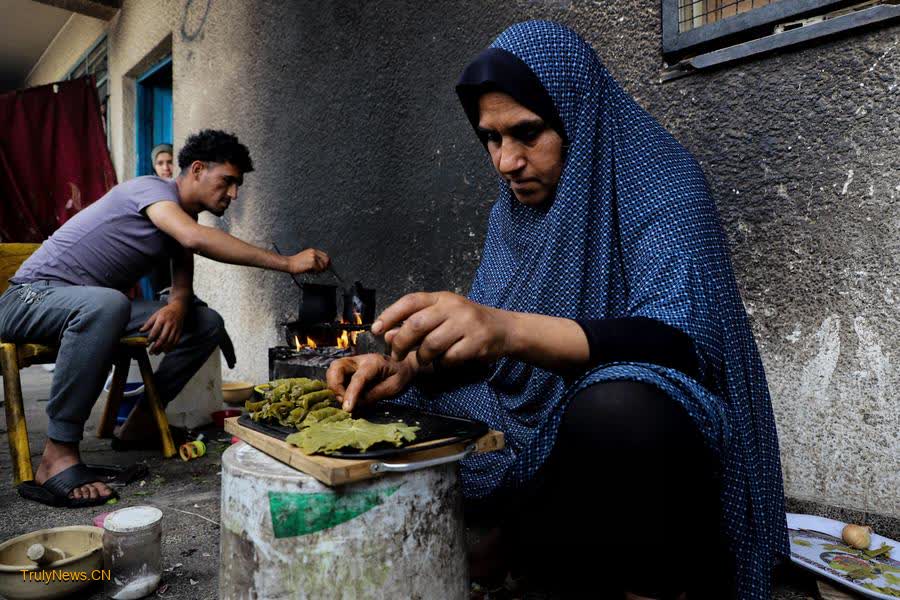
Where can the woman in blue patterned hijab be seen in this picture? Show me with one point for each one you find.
(618, 358)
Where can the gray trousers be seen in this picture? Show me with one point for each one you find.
(86, 323)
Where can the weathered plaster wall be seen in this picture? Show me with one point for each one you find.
(139, 37)
(73, 40)
(359, 146)
(800, 151)
(361, 149)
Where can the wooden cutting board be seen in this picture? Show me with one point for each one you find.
(337, 471)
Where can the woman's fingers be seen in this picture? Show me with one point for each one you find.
(415, 329)
(337, 374)
(388, 388)
(400, 310)
(462, 351)
(370, 369)
(438, 342)
(389, 335)
(364, 375)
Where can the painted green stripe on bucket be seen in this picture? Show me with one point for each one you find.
(295, 514)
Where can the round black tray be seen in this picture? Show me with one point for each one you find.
(440, 430)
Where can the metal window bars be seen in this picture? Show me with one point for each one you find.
(696, 13)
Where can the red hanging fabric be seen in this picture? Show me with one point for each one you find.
(53, 157)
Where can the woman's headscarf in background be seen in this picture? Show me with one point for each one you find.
(632, 231)
(157, 149)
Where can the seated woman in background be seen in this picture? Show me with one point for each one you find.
(161, 157)
(641, 455)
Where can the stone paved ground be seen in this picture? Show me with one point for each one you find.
(188, 495)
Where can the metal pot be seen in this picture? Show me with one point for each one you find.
(318, 303)
(359, 300)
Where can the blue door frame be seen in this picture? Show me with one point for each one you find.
(153, 125)
(154, 112)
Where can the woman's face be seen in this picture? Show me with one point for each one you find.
(163, 165)
(525, 151)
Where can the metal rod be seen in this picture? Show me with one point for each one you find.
(334, 271)
(294, 277)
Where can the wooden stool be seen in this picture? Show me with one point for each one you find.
(136, 348)
(14, 357)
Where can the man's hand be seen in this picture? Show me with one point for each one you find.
(308, 261)
(367, 378)
(164, 327)
(444, 326)
(218, 245)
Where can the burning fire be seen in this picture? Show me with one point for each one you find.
(358, 319)
(343, 342)
(346, 339)
(310, 343)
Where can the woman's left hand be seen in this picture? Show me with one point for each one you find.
(445, 327)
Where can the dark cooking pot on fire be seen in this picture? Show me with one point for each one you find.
(318, 303)
(359, 301)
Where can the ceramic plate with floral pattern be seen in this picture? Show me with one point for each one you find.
(816, 545)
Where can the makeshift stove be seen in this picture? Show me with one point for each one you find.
(317, 337)
(286, 362)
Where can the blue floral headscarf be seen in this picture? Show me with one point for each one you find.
(632, 231)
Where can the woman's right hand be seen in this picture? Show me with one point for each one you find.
(367, 378)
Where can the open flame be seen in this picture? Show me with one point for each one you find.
(310, 343)
(345, 341)
(348, 338)
(353, 335)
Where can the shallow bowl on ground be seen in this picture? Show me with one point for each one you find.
(236, 392)
(83, 546)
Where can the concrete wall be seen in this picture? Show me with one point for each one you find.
(361, 149)
(73, 40)
(137, 38)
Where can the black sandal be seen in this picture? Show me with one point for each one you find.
(55, 491)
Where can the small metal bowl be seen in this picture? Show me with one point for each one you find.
(236, 392)
(83, 546)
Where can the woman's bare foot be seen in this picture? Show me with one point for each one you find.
(59, 456)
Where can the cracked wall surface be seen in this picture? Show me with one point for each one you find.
(361, 149)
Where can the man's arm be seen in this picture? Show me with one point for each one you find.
(220, 246)
(163, 328)
(182, 278)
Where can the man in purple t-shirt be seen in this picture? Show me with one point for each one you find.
(70, 293)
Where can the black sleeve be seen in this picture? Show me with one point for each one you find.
(640, 339)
